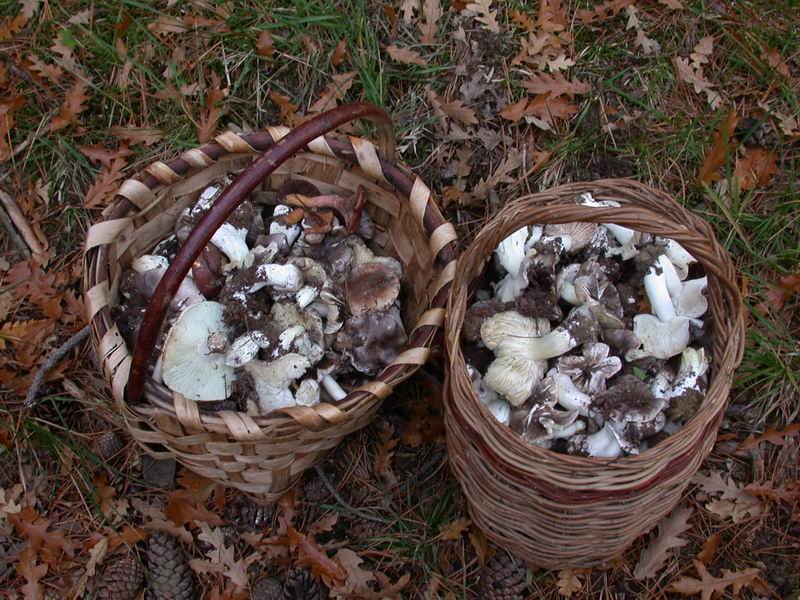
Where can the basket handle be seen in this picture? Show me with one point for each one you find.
(232, 197)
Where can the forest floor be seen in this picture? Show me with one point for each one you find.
(490, 100)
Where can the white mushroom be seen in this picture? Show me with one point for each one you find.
(331, 386)
(188, 366)
(655, 285)
(662, 383)
(296, 339)
(565, 280)
(515, 371)
(154, 266)
(148, 262)
(694, 365)
(602, 444)
(659, 338)
(511, 254)
(500, 409)
(307, 393)
(272, 380)
(627, 238)
(679, 257)
(691, 301)
(245, 348)
(545, 423)
(568, 395)
(278, 226)
(231, 242)
(284, 278)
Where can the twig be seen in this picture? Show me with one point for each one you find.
(12, 233)
(338, 497)
(21, 223)
(52, 361)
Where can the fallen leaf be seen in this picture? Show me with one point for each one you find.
(603, 11)
(428, 26)
(8, 106)
(695, 77)
(405, 55)
(788, 491)
(96, 555)
(455, 109)
(334, 92)
(339, 53)
(480, 544)
(264, 45)
(522, 19)
(32, 572)
(734, 503)
(287, 109)
(658, 548)
(552, 17)
(35, 528)
(104, 185)
(358, 579)
(182, 512)
(673, 4)
(42, 69)
(311, 555)
(103, 155)
(569, 581)
(555, 84)
(648, 46)
(454, 529)
(485, 15)
(773, 58)
(74, 104)
(756, 168)
(560, 63)
(702, 51)
(710, 547)
(775, 436)
(721, 147)
(407, 10)
(514, 112)
(209, 116)
(325, 524)
(710, 587)
(502, 174)
(138, 135)
(383, 456)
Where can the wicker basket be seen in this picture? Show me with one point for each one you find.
(556, 510)
(262, 456)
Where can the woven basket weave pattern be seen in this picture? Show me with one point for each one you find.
(264, 456)
(556, 510)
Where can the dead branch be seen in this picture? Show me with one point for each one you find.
(52, 361)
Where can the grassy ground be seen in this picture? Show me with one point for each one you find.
(71, 72)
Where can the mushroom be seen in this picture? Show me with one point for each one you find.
(659, 339)
(361, 254)
(691, 301)
(329, 384)
(307, 393)
(189, 367)
(567, 394)
(372, 339)
(591, 370)
(296, 340)
(628, 400)
(594, 290)
(638, 432)
(565, 283)
(245, 348)
(662, 382)
(371, 287)
(627, 238)
(316, 225)
(678, 255)
(149, 269)
(280, 225)
(602, 444)
(328, 306)
(516, 368)
(191, 215)
(285, 315)
(231, 241)
(500, 409)
(687, 391)
(620, 341)
(510, 254)
(207, 271)
(540, 299)
(545, 423)
(477, 314)
(314, 279)
(655, 286)
(579, 233)
(272, 380)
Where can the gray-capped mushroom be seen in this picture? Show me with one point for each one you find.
(371, 287)
(591, 370)
(687, 391)
(628, 400)
(188, 365)
(545, 423)
(372, 339)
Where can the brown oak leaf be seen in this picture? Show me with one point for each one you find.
(334, 92)
(756, 168)
(428, 26)
(74, 104)
(710, 587)
(658, 548)
(556, 85)
(105, 184)
(405, 55)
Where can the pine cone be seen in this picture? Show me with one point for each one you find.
(301, 585)
(107, 446)
(52, 594)
(502, 579)
(121, 580)
(365, 529)
(170, 576)
(266, 588)
(760, 134)
(247, 515)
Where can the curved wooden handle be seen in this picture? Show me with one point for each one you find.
(232, 197)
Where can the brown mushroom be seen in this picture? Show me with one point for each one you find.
(207, 271)
(371, 287)
(347, 209)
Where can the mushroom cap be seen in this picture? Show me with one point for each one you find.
(629, 400)
(514, 377)
(371, 287)
(188, 367)
(692, 302)
(297, 186)
(579, 232)
(548, 423)
(590, 371)
(477, 314)
(307, 393)
(659, 339)
(372, 339)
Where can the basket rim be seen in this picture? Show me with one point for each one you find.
(559, 202)
(394, 176)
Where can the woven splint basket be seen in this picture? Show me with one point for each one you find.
(265, 455)
(556, 510)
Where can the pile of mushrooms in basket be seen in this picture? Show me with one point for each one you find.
(589, 339)
(287, 305)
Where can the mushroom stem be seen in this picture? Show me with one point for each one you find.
(569, 396)
(284, 278)
(623, 235)
(603, 444)
(679, 257)
(334, 390)
(655, 285)
(231, 242)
